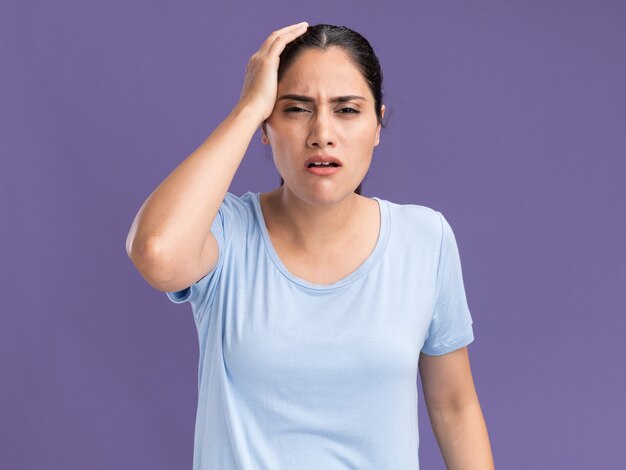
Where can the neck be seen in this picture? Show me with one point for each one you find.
(313, 226)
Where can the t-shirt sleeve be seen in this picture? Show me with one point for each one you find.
(451, 325)
(201, 293)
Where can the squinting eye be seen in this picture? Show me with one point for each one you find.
(296, 109)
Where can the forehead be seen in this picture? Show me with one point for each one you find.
(320, 71)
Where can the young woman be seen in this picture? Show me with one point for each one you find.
(314, 304)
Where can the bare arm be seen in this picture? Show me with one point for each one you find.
(170, 241)
(455, 412)
(172, 226)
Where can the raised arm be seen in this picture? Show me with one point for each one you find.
(169, 241)
(454, 411)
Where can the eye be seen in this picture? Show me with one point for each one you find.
(351, 111)
(294, 109)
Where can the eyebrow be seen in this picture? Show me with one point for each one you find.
(308, 99)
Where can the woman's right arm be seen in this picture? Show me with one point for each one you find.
(169, 241)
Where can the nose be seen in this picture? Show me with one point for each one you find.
(322, 132)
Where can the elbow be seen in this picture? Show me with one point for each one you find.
(138, 249)
(141, 247)
(148, 259)
(454, 409)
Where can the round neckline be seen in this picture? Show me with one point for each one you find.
(362, 270)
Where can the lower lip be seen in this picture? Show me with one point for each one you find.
(323, 171)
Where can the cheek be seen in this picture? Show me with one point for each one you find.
(281, 134)
(366, 138)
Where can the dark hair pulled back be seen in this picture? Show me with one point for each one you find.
(324, 36)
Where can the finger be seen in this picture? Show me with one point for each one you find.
(281, 41)
(288, 30)
(279, 32)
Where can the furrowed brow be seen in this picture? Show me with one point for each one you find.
(308, 99)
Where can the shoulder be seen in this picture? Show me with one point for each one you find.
(234, 216)
(245, 200)
(416, 218)
(238, 206)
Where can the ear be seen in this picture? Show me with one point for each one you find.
(382, 115)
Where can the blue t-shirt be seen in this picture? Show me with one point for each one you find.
(296, 375)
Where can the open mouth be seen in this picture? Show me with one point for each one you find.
(322, 165)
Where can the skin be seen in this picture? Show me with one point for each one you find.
(454, 410)
(318, 213)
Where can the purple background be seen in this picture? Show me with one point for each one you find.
(509, 117)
